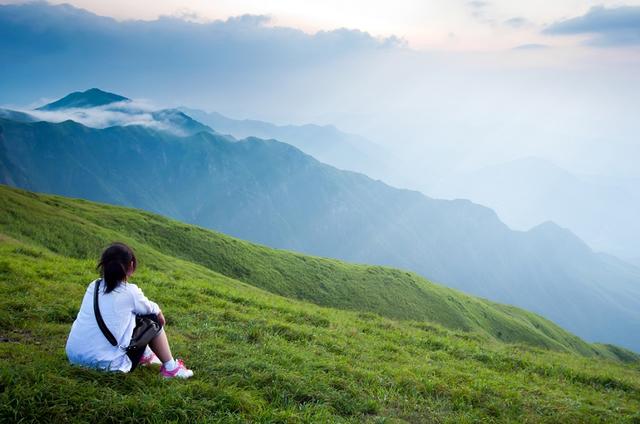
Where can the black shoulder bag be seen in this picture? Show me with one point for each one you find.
(146, 328)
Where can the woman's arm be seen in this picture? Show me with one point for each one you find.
(161, 319)
(142, 305)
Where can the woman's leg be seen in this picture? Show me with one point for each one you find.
(170, 367)
(160, 346)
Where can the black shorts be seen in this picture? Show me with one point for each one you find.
(137, 355)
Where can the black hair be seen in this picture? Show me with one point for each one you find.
(114, 264)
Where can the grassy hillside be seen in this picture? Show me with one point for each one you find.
(262, 357)
(81, 229)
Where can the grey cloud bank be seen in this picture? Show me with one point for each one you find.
(55, 49)
(618, 26)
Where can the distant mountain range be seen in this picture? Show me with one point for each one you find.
(603, 211)
(525, 192)
(324, 142)
(272, 193)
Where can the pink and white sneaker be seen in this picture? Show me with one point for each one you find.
(179, 371)
(149, 359)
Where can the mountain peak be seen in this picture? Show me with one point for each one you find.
(551, 231)
(85, 99)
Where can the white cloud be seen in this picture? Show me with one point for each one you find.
(120, 113)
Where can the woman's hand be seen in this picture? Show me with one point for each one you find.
(161, 319)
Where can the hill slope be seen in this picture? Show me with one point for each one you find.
(257, 356)
(271, 193)
(55, 221)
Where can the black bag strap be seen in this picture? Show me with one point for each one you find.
(101, 324)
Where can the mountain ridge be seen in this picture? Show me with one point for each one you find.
(326, 143)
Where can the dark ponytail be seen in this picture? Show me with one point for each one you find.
(114, 264)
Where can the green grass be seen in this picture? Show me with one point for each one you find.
(80, 229)
(262, 357)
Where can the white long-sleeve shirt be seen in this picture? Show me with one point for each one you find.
(87, 345)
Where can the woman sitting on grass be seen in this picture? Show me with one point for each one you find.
(120, 302)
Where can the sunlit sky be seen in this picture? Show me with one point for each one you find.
(448, 25)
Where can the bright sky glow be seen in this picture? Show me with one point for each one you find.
(461, 25)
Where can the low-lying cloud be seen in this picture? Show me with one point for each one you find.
(114, 114)
(618, 26)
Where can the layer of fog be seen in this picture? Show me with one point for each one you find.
(119, 113)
